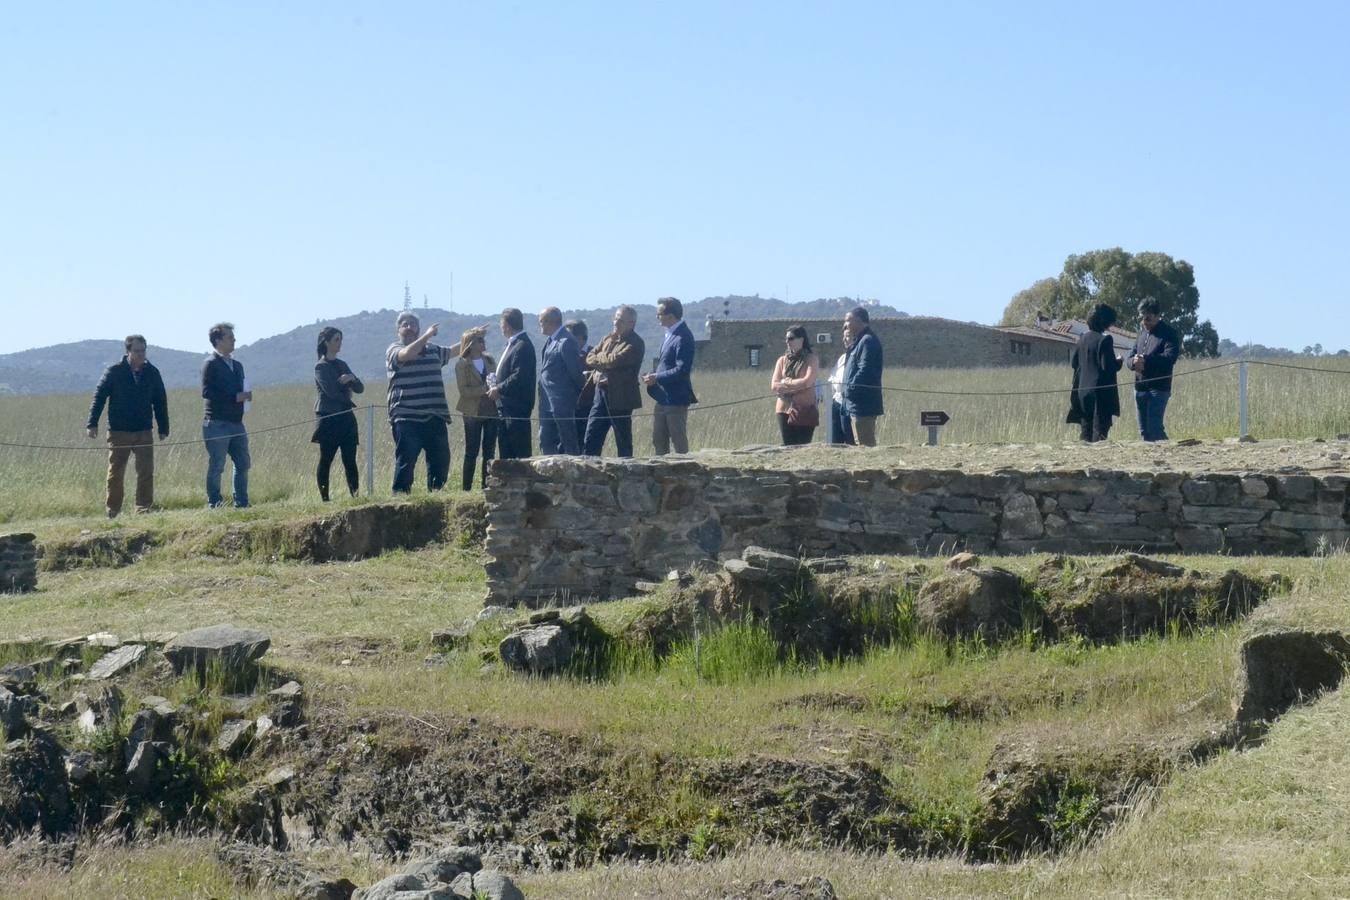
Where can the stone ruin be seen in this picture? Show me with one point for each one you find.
(563, 530)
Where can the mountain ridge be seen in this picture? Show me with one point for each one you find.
(288, 357)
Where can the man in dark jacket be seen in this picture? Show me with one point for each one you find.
(513, 387)
(225, 392)
(670, 385)
(614, 366)
(862, 378)
(1155, 355)
(134, 394)
(560, 384)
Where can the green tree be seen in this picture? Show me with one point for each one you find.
(1121, 279)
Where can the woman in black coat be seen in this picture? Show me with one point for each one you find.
(1095, 400)
(336, 429)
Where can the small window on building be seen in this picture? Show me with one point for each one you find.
(753, 353)
(1020, 348)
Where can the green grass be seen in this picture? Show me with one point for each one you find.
(927, 713)
(1284, 403)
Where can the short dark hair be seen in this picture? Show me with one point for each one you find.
(1150, 307)
(800, 331)
(218, 331)
(133, 339)
(578, 329)
(326, 335)
(1103, 317)
(669, 306)
(860, 314)
(514, 317)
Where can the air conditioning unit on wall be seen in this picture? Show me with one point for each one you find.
(823, 338)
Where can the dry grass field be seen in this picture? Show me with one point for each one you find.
(736, 411)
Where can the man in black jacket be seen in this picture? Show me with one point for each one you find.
(1155, 354)
(225, 391)
(513, 387)
(134, 394)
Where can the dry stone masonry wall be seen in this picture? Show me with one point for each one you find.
(18, 563)
(563, 530)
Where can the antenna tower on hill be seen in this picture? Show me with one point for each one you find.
(407, 296)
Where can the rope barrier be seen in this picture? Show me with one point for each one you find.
(699, 408)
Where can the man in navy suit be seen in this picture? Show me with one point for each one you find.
(862, 377)
(669, 385)
(513, 388)
(560, 383)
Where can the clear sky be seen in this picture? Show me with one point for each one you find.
(167, 165)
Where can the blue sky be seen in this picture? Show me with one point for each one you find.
(164, 166)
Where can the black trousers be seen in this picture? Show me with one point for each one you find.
(336, 433)
(513, 437)
(478, 433)
(1096, 424)
(599, 423)
(794, 435)
(411, 439)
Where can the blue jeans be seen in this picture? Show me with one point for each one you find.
(599, 424)
(226, 438)
(1151, 405)
(412, 437)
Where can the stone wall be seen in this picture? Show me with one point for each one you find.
(913, 341)
(18, 563)
(564, 529)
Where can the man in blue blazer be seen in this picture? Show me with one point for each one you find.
(513, 388)
(669, 385)
(560, 384)
(862, 378)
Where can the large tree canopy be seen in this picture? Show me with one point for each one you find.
(1120, 279)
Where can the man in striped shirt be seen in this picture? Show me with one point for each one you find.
(418, 412)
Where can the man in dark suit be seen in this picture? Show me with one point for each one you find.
(670, 385)
(1155, 355)
(560, 383)
(862, 378)
(581, 334)
(614, 368)
(513, 388)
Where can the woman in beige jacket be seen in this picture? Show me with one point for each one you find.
(794, 383)
(480, 414)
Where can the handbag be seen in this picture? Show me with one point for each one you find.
(803, 416)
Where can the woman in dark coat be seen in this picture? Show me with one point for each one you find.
(336, 429)
(1095, 399)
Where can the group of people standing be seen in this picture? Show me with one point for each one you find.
(582, 392)
(1094, 397)
(855, 386)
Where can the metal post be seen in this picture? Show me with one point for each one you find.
(1242, 399)
(370, 447)
(932, 435)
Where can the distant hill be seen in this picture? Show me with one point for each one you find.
(289, 358)
(75, 368)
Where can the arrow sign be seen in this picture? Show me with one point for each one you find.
(933, 417)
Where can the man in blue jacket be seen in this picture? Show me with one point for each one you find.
(560, 383)
(512, 387)
(225, 391)
(669, 385)
(862, 377)
(134, 394)
(1154, 356)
